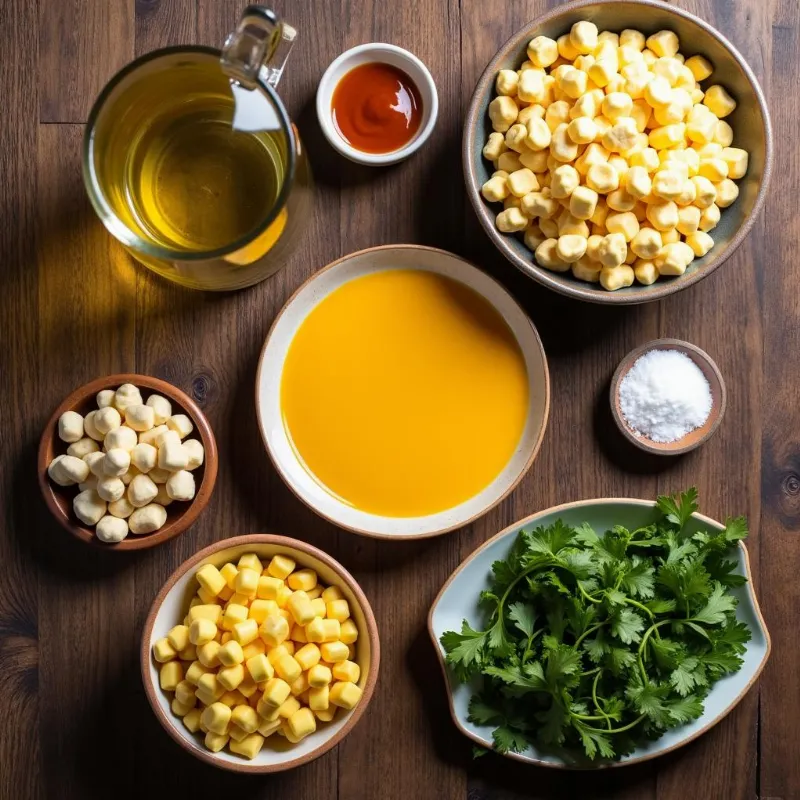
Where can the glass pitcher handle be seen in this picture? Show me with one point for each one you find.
(258, 48)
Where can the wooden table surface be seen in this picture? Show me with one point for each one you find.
(75, 721)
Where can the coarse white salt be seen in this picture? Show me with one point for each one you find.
(664, 396)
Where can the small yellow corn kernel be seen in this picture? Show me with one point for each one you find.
(715, 169)
(288, 707)
(602, 178)
(332, 593)
(298, 634)
(700, 67)
(727, 192)
(189, 653)
(623, 222)
(620, 200)
(583, 37)
(334, 651)
(632, 38)
(565, 48)
(274, 630)
(557, 114)
(238, 599)
(688, 220)
(283, 566)
(674, 258)
(613, 278)
(495, 189)
(647, 158)
(282, 598)
(592, 247)
(192, 720)
(664, 44)
(346, 694)
(348, 631)
(300, 608)
(216, 741)
(249, 747)
(546, 255)
(346, 671)
(260, 668)
(663, 216)
(319, 675)
(225, 594)
(229, 573)
(287, 668)
(248, 686)
(245, 717)
(277, 652)
(562, 148)
(582, 130)
(701, 127)
(506, 82)
(307, 656)
(723, 134)
(275, 693)
(669, 237)
(638, 183)
(611, 252)
(300, 685)
(208, 611)
(318, 699)
(245, 632)
(163, 651)
(616, 105)
(508, 163)
(246, 583)
(647, 243)
(736, 159)
(511, 220)
(289, 646)
(202, 631)
(209, 689)
(537, 134)
(719, 101)
(649, 57)
(223, 638)
(230, 653)
(208, 654)
(233, 698)
(250, 561)
(210, 579)
(687, 195)
(667, 136)
(570, 248)
(178, 638)
(236, 733)
(586, 270)
(542, 51)
(582, 204)
(645, 271)
(180, 709)
(230, 677)
(259, 610)
(706, 192)
(266, 729)
(268, 587)
(195, 671)
(327, 715)
(621, 136)
(531, 88)
(502, 112)
(319, 608)
(709, 218)
(234, 614)
(302, 722)
(549, 228)
(170, 675)
(495, 145)
(700, 242)
(216, 718)
(668, 184)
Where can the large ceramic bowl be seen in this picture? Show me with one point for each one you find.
(750, 122)
(458, 600)
(273, 356)
(170, 606)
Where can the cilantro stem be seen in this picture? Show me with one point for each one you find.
(616, 730)
(530, 643)
(594, 699)
(589, 672)
(588, 596)
(644, 608)
(587, 632)
(644, 642)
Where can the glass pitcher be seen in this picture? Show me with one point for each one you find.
(192, 162)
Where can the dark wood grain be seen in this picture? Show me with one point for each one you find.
(74, 306)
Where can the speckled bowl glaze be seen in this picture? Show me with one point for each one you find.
(750, 122)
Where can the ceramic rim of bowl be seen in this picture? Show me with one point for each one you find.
(459, 522)
(578, 289)
(521, 757)
(170, 725)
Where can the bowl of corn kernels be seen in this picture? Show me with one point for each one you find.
(617, 152)
(259, 654)
(127, 462)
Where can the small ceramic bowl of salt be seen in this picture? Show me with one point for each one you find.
(668, 397)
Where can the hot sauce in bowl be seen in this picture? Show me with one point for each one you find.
(376, 108)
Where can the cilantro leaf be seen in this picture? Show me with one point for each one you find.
(551, 724)
(619, 659)
(638, 580)
(531, 679)
(482, 712)
(718, 605)
(463, 649)
(548, 541)
(665, 652)
(679, 508)
(497, 640)
(596, 648)
(648, 699)
(584, 534)
(684, 677)
(478, 752)
(508, 740)
(627, 625)
(523, 615)
(735, 530)
(562, 661)
(594, 742)
(735, 634)
(724, 571)
(660, 605)
(684, 709)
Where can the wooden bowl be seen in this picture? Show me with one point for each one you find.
(170, 606)
(179, 515)
(692, 439)
(750, 122)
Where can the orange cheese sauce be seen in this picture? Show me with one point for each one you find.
(404, 393)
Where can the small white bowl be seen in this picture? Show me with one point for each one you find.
(384, 54)
(270, 369)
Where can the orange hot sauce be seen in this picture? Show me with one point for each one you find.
(376, 108)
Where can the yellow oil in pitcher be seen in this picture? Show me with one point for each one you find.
(172, 167)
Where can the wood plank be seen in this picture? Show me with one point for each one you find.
(20, 752)
(780, 483)
(86, 329)
(82, 43)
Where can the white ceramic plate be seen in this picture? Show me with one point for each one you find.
(458, 600)
(270, 369)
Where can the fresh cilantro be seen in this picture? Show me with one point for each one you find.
(598, 640)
